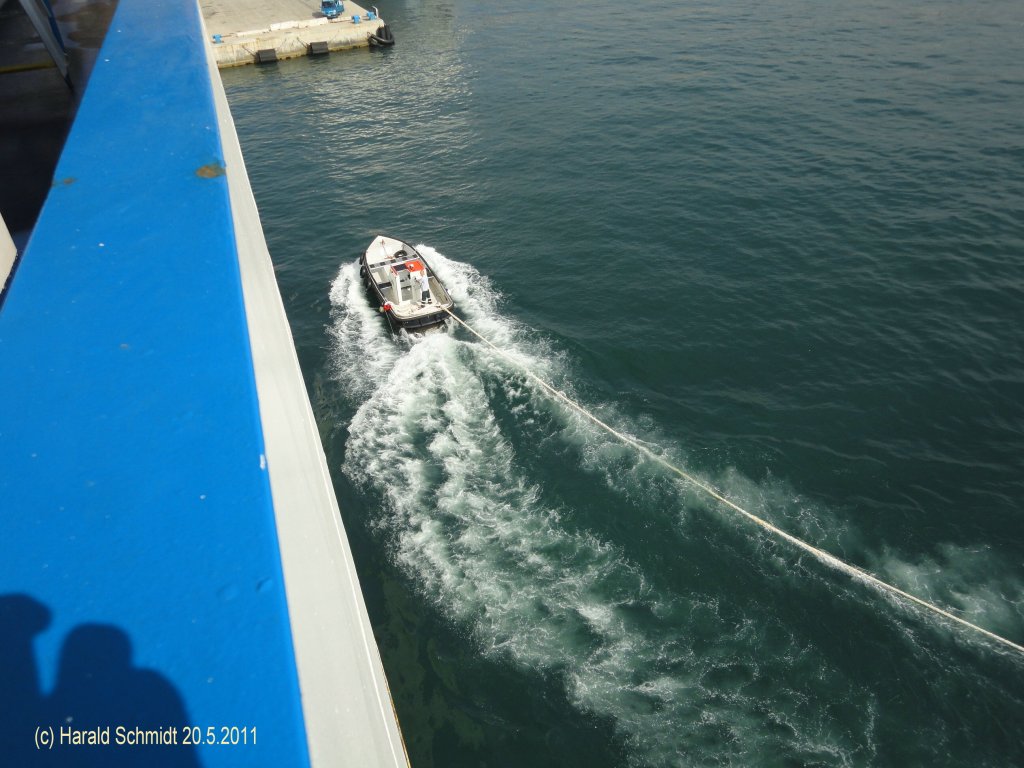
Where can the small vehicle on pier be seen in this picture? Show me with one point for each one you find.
(332, 9)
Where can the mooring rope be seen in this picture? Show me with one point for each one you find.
(825, 557)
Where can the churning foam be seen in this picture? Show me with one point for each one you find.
(491, 548)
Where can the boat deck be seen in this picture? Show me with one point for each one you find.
(394, 271)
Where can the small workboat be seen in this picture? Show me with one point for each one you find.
(403, 284)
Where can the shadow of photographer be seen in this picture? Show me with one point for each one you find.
(97, 688)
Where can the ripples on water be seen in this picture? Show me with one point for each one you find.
(783, 244)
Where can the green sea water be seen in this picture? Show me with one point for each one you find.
(781, 244)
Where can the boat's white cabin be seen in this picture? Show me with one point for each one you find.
(398, 271)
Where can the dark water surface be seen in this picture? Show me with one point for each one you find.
(783, 244)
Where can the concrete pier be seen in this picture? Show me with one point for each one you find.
(241, 29)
